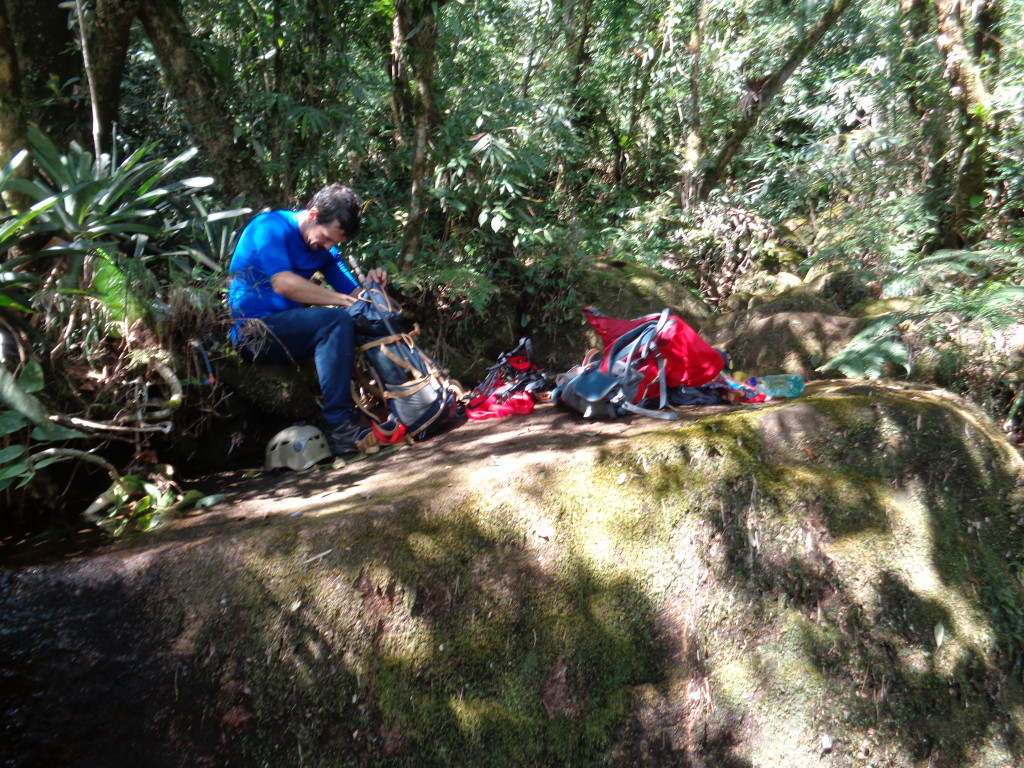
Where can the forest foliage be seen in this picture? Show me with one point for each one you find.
(502, 149)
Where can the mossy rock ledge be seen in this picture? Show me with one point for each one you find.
(829, 581)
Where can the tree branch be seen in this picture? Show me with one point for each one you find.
(744, 124)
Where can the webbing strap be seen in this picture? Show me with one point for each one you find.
(662, 389)
(405, 338)
(379, 299)
(399, 361)
(620, 400)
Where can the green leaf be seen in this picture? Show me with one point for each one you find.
(11, 421)
(12, 452)
(133, 483)
(209, 501)
(13, 470)
(7, 482)
(167, 169)
(197, 182)
(16, 162)
(31, 379)
(7, 301)
(17, 399)
(219, 215)
(53, 432)
(40, 463)
(189, 499)
(47, 157)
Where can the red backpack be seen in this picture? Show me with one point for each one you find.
(643, 358)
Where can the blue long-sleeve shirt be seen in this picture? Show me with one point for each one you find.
(269, 244)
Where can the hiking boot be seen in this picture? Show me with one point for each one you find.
(350, 437)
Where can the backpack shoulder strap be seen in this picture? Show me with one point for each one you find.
(654, 414)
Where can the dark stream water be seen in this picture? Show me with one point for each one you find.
(86, 680)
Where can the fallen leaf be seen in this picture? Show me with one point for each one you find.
(554, 691)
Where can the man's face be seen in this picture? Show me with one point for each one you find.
(320, 236)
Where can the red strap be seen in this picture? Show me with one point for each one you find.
(395, 436)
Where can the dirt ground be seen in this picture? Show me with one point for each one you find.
(252, 496)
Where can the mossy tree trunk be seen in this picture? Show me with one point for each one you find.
(107, 39)
(48, 61)
(398, 75)
(971, 120)
(689, 179)
(201, 100)
(12, 115)
(917, 55)
(39, 36)
(416, 23)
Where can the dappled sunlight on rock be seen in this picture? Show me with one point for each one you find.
(733, 587)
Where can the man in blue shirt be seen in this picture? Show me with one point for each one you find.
(280, 315)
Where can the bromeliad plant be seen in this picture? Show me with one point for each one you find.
(109, 220)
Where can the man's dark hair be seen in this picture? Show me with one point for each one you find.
(338, 203)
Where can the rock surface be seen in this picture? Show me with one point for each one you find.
(739, 588)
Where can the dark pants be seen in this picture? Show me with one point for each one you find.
(322, 333)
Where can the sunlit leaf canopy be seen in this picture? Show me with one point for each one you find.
(549, 114)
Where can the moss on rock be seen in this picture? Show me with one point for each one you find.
(722, 590)
(762, 342)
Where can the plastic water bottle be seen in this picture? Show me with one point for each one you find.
(780, 385)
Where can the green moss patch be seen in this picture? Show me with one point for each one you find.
(833, 580)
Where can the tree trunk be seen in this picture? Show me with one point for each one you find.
(760, 95)
(972, 126)
(418, 27)
(12, 115)
(47, 51)
(195, 89)
(689, 179)
(398, 74)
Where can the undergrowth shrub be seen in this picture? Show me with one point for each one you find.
(114, 294)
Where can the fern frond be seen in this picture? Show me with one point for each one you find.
(455, 283)
(875, 349)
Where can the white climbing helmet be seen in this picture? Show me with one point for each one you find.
(296, 448)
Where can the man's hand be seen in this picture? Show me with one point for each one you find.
(378, 276)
